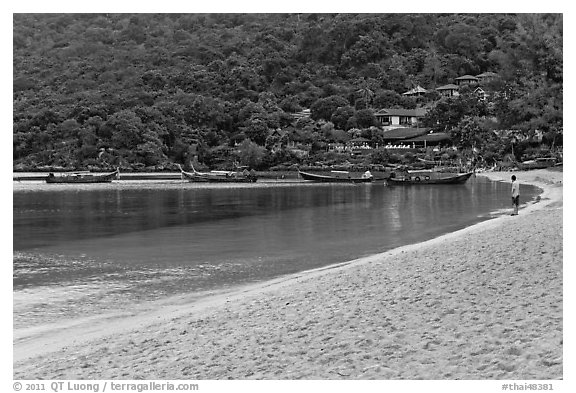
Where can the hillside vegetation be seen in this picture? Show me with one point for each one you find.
(150, 90)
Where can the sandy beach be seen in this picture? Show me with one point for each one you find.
(484, 302)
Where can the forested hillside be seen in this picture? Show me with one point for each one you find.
(147, 90)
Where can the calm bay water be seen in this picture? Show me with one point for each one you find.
(85, 250)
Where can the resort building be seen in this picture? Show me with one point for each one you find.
(466, 80)
(415, 92)
(394, 118)
(481, 93)
(415, 138)
(486, 77)
(450, 90)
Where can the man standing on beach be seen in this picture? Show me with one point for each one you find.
(515, 195)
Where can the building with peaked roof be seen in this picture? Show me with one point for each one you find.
(394, 118)
(449, 90)
(466, 80)
(486, 76)
(481, 93)
(417, 91)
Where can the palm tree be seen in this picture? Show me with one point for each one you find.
(366, 94)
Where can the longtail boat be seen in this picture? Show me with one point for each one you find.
(218, 176)
(428, 177)
(337, 177)
(83, 177)
(539, 163)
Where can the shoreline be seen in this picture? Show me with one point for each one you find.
(298, 296)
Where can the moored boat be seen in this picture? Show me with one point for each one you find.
(428, 177)
(337, 177)
(218, 176)
(539, 163)
(83, 177)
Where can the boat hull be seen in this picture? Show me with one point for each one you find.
(82, 179)
(232, 180)
(334, 179)
(427, 179)
(223, 179)
(234, 177)
(540, 163)
(193, 177)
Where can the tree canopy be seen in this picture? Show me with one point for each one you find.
(120, 89)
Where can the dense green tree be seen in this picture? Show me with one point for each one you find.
(448, 112)
(341, 115)
(257, 130)
(324, 108)
(92, 89)
(251, 154)
(126, 128)
(469, 133)
(380, 156)
(365, 118)
(290, 104)
(387, 99)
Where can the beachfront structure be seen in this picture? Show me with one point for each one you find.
(430, 139)
(413, 138)
(397, 135)
(401, 138)
(394, 118)
(359, 143)
(360, 146)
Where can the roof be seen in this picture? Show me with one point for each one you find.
(435, 137)
(404, 133)
(419, 112)
(449, 86)
(417, 90)
(466, 77)
(301, 114)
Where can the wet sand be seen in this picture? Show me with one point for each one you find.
(484, 302)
